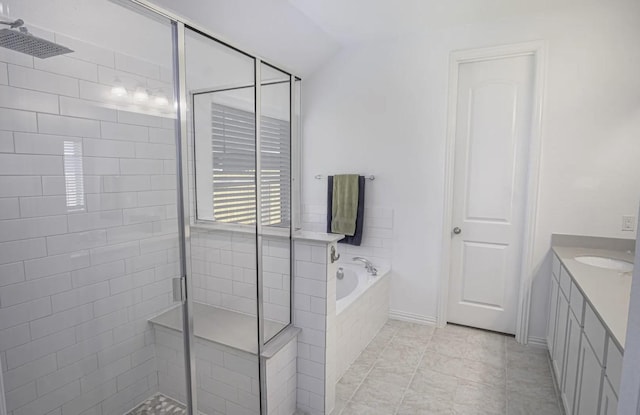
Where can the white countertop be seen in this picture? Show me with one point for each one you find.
(608, 291)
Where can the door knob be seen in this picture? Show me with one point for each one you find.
(457, 230)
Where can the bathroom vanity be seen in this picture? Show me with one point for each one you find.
(590, 293)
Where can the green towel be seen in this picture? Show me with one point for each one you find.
(344, 206)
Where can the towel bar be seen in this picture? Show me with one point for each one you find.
(371, 177)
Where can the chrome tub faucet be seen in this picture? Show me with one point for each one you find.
(367, 264)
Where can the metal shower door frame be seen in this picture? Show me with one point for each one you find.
(179, 26)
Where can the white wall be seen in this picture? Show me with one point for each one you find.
(380, 108)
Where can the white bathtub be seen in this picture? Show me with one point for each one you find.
(355, 282)
(362, 308)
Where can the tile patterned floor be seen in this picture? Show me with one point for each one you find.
(159, 405)
(411, 369)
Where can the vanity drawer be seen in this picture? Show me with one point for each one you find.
(555, 267)
(576, 302)
(614, 365)
(565, 282)
(595, 332)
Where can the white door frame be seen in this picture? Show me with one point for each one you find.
(537, 50)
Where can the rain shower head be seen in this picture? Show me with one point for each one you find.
(23, 41)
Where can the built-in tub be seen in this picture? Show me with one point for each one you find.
(362, 308)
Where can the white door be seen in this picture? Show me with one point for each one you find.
(493, 128)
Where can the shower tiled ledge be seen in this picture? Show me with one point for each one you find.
(221, 326)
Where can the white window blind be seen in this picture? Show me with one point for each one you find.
(233, 148)
(73, 175)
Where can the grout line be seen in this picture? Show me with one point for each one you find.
(370, 369)
(415, 370)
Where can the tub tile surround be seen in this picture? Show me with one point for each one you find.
(418, 369)
(78, 283)
(377, 240)
(314, 289)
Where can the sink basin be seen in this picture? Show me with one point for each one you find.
(607, 263)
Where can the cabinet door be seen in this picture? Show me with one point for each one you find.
(559, 341)
(572, 354)
(589, 381)
(553, 315)
(609, 401)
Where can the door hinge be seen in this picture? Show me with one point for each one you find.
(179, 289)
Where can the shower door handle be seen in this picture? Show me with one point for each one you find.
(178, 289)
(457, 230)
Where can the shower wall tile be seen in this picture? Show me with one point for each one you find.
(42, 81)
(81, 272)
(25, 99)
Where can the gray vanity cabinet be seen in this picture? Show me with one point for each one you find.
(609, 401)
(572, 354)
(560, 337)
(589, 381)
(553, 305)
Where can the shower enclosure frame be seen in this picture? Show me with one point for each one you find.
(179, 25)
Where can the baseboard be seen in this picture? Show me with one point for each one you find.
(412, 318)
(540, 342)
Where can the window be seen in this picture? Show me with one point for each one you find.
(73, 175)
(233, 174)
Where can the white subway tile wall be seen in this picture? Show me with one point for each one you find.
(227, 378)
(224, 272)
(282, 380)
(377, 239)
(86, 255)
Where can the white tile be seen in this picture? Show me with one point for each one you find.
(11, 230)
(25, 312)
(107, 148)
(15, 120)
(16, 58)
(31, 290)
(113, 303)
(4, 77)
(6, 142)
(20, 250)
(84, 348)
(100, 166)
(111, 201)
(43, 404)
(20, 185)
(43, 205)
(66, 374)
(64, 65)
(86, 51)
(98, 273)
(127, 132)
(32, 143)
(79, 296)
(21, 164)
(311, 270)
(128, 166)
(42, 81)
(96, 220)
(11, 273)
(9, 208)
(60, 321)
(137, 118)
(137, 66)
(114, 252)
(163, 136)
(99, 325)
(126, 183)
(38, 348)
(21, 396)
(163, 182)
(71, 242)
(155, 151)
(87, 109)
(144, 214)
(25, 99)
(14, 336)
(130, 232)
(76, 127)
(156, 197)
(95, 92)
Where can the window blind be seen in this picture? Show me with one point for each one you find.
(73, 175)
(233, 152)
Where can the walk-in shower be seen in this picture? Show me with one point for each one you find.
(146, 185)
